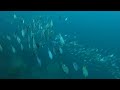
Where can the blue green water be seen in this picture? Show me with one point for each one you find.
(91, 29)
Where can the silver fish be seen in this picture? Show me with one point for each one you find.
(51, 23)
(61, 51)
(85, 71)
(54, 51)
(19, 40)
(61, 39)
(75, 65)
(65, 68)
(1, 49)
(23, 21)
(29, 45)
(39, 61)
(13, 50)
(14, 16)
(111, 55)
(66, 19)
(50, 54)
(34, 44)
(29, 42)
(8, 37)
(23, 32)
(21, 46)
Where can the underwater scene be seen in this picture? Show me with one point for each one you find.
(59, 44)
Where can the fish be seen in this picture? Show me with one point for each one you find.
(47, 25)
(61, 39)
(66, 19)
(50, 54)
(21, 46)
(41, 27)
(39, 61)
(85, 71)
(66, 35)
(51, 23)
(1, 49)
(8, 37)
(61, 51)
(33, 21)
(54, 51)
(23, 32)
(13, 50)
(29, 45)
(14, 16)
(102, 60)
(65, 68)
(111, 55)
(75, 65)
(31, 34)
(19, 40)
(34, 44)
(29, 42)
(23, 21)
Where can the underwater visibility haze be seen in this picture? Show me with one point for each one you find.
(59, 44)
